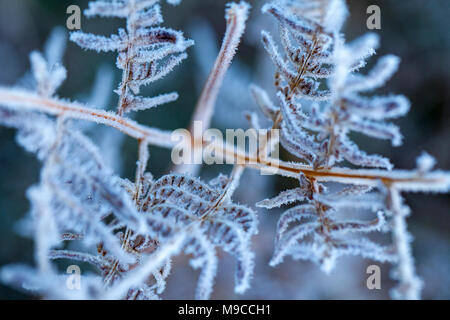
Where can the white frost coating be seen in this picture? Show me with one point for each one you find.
(236, 16)
(78, 256)
(285, 197)
(377, 77)
(206, 259)
(357, 113)
(363, 47)
(379, 108)
(272, 49)
(293, 215)
(285, 243)
(98, 43)
(344, 111)
(320, 237)
(17, 99)
(112, 8)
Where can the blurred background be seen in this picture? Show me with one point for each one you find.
(415, 30)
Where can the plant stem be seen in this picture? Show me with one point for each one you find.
(236, 17)
(403, 180)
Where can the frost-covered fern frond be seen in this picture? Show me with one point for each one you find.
(315, 125)
(307, 40)
(146, 51)
(80, 199)
(177, 203)
(308, 35)
(311, 230)
(78, 196)
(79, 185)
(318, 132)
(76, 193)
(349, 111)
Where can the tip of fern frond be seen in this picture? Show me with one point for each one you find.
(267, 204)
(267, 7)
(275, 260)
(189, 43)
(74, 35)
(437, 181)
(327, 267)
(240, 8)
(262, 204)
(425, 162)
(336, 15)
(174, 2)
(391, 63)
(397, 141)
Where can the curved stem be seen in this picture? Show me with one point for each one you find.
(236, 17)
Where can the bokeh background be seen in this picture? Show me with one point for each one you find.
(415, 30)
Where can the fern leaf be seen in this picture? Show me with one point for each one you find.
(177, 202)
(99, 43)
(290, 239)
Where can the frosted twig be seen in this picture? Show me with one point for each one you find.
(436, 181)
(236, 16)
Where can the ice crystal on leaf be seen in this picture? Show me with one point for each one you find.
(311, 231)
